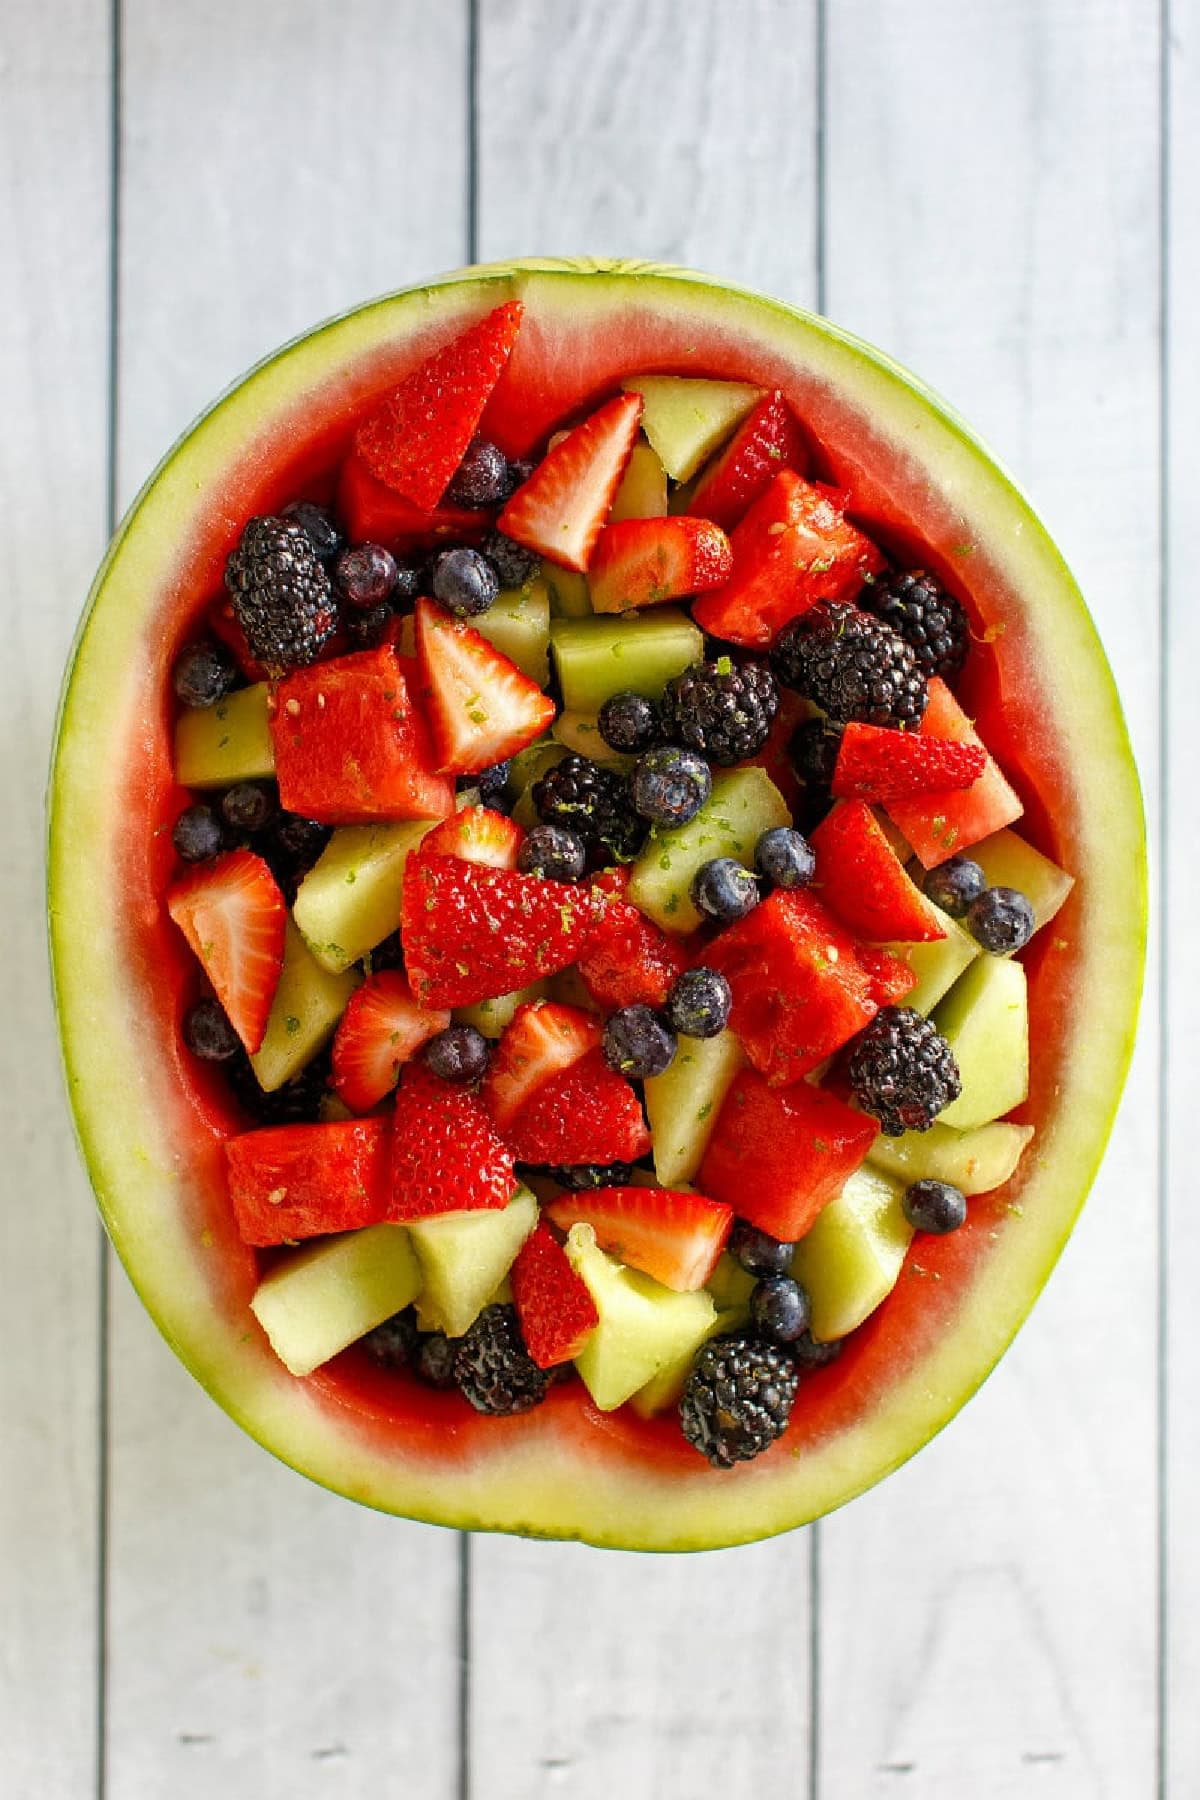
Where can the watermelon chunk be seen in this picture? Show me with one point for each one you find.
(300, 1181)
(938, 826)
(374, 513)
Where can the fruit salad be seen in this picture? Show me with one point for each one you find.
(607, 921)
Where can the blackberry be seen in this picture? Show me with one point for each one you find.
(407, 585)
(367, 630)
(737, 1398)
(785, 858)
(292, 847)
(459, 1054)
(493, 1368)
(724, 890)
(249, 806)
(365, 576)
(779, 1308)
(814, 750)
(669, 786)
(758, 1252)
(281, 594)
(203, 674)
(698, 1005)
(386, 955)
(853, 666)
(297, 1102)
(493, 786)
(435, 1359)
(903, 1071)
(592, 801)
(580, 1177)
(935, 1206)
(513, 563)
(208, 1033)
(198, 833)
(464, 581)
(637, 1044)
(931, 621)
(1001, 919)
(954, 885)
(482, 477)
(720, 709)
(518, 474)
(323, 534)
(629, 723)
(394, 1344)
(554, 853)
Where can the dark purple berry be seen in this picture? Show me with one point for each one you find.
(513, 563)
(408, 585)
(367, 630)
(1002, 920)
(955, 885)
(208, 1033)
(812, 1353)
(365, 576)
(785, 858)
(554, 852)
(935, 1206)
(670, 786)
(493, 786)
(779, 1308)
(637, 1044)
(724, 890)
(464, 581)
(249, 806)
(460, 1054)
(198, 834)
(758, 1252)
(629, 723)
(395, 1343)
(698, 1005)
(482, 477)
(204, 674)
(580, 1177)
(435, 1359)
(323, 534)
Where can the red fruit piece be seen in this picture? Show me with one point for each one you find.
(641, 562)
(375, 514)
(890, 978)
(584, 1114)
(793, 548)
(779, 1156)
(876, 764)
(941, 825)
(446, 1156)
(470, 933)
(351, 745)
(560, 510)
(224, 624)
(415, 440)
(300, 1181)
(483, 709)
(380, 1030)
(764, 443)
(630, 961)
(675, 1237)
(234, 917)
(541, 1039)
(477, 834)
(556, 1312)
(863, 880)
(799, 990)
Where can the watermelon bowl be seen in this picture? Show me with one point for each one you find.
(151, 1121)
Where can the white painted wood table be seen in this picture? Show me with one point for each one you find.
(1003, 193)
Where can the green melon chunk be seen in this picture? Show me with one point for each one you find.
(683, 1103)
(975, 1161)
(937, 965)
(569, 989)
(731, 1287)
(464, 1256)
(687, 420)
(635, 653)
(231, 741)
(518, 624)
(570, 597)
(1008, 861)
(985, 1020)
(743, 804)
(643, 490)
(530, 764)
(579, 731)
(850, 1259)
(350, 899)
(663, 1390)
(491, 1016)
(308, 1003)
(643, 1325)
(335, 1291)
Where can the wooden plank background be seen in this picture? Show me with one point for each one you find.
(1003, 193)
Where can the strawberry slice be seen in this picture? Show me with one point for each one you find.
(233, 915)
(477, 834)
(630, 961)
(380, 1030)
(556, 1310)
(560, 510)
(863, 881)
(415, 440)
(483, 709)
(470, 933)
(877, 764)
(766, 442)
(584, 1114)
(299, 1181)
(541, 1039)
(642, 562)
(793, 548)
(890, 978)
(675, 1237)
(375, 514)
(446, 1156)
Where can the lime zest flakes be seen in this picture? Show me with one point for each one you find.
(724, 665)
(292, 1024)
(704, 1112)
(351, 877)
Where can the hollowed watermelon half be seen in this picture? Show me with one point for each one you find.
(151, 1124)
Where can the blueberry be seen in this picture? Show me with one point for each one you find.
(518, 474)
(460, 1053)
(204, 674)
(579, 1177)
(493, 786)
(811, 1353)
(367, 630)
(670, 785)
(955, 885)
(758, 1252)
(482, 477)
(699, 1003)
(934, 1206)
(365, 576)
(319, 527)
(724, 890)
(513, 563)
(300, 839)
(249, 806)
(198, 833)
(408, 584)
(785, 857)
(464, 581)
(637, 1044)
(553, 852)
(779, 1308)
(1001, 920)
(435, 1359)
(629, 722)
(208, 1033)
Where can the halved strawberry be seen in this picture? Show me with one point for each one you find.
(300, 1181)
(676, 1237)
(863, 881)
(481, 706)
(940, 825)
(555, 1308)
(880, 765)
(560, 510)
(630, 961)
(415, 440)
(373, 513)
(477, 834)
(470, 933)
(584, 1114)
(380, 1030)
(766, 442)
(233, 915)
(642, 562)
(542, 1038)
(446, 1155)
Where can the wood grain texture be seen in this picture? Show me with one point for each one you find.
(988, 1615)
(54, 224)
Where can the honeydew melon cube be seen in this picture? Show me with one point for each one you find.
(850, 1259)
(644, 1327)
(743, 804)
(1008, 861)
(664, 1389)
(464, 1256)
(580, 732)
(938, 964)
(643, 490)
(636, 653)
(530, 764)
(335, 1291)
(350, 899)
(683, 1103)
(308, 1003)
(570, 596)
(974, 1161)
(518, 624)
(231, 741)
(491, 1016)
(985, 1020)
(688, 420)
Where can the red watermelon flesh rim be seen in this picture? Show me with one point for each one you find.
(150, 1123)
